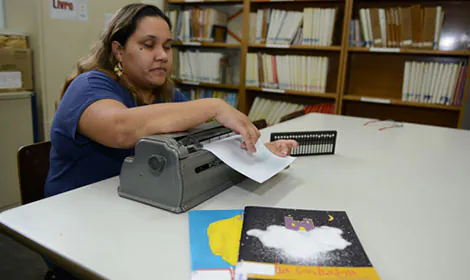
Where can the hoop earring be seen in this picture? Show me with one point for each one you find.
(118, 69)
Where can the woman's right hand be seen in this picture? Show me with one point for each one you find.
(230, 117)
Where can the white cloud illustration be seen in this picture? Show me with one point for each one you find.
(301, 244)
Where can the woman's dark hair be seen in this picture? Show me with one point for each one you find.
(124, 33)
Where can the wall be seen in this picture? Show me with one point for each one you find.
(57, 44)
(2, 13)
(21, 15)
(64, 42)
(20, 132)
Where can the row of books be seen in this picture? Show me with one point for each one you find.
(262, 108)
(201, 66)
(325, 108)
(301, 73)
(312, 26)
(199, 93)
(434, 83)
(274, 110)
(204, 25)
(406, 27)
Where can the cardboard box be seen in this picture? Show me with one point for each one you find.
(12, 39)
(16, 69)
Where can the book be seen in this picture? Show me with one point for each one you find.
(279, 243)
(272, 110)
(285, 27)
(412, 26)
(288, 72)
(205, 66)
(202, 25)
(433, 82)
(214, 238)
(198, 93)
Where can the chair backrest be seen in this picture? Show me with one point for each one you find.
(33, 166)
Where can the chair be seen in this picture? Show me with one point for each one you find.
(33, 166)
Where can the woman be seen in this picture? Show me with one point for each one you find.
(120, 93)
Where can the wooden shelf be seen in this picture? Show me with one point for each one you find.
(209, 85)
(360, 72)
(410, 51)
(290, 1)
(400, 102)
(205, 2)
(206, 45)
(294, 92)
(295, 47)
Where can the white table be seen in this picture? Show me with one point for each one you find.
(406, 191)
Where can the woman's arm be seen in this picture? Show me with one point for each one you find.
(112, 124)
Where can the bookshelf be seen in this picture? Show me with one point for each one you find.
(364, 81)
(296, 47)
(223, 2)
(399, 102)
(411, 51)
(293, 92)
(205, 45)
(207, 85)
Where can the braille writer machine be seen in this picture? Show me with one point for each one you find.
(173, 172)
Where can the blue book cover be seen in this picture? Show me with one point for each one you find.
(214, 238)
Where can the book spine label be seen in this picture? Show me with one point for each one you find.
(375, 100)
(191, 83)
(191, 43)
(391, 50)
(283, 46)
(273, 90)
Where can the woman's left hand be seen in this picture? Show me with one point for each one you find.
(281, 148)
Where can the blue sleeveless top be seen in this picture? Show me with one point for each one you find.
(76, 160)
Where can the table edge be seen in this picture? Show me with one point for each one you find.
(74, 268)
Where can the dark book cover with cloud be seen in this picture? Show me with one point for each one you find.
(278, 243)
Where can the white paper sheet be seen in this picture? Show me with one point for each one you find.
(259, 166)
(10, 80)
(211, 275)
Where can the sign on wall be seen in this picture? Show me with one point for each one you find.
(69, 9)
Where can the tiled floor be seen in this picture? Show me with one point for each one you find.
(18, 262)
